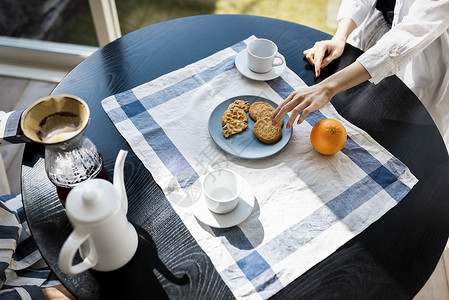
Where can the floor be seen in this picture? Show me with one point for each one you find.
(437, 287)
(17, 93)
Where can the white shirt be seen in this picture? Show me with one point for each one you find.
(416, 49)
(9, 126)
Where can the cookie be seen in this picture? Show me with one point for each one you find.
(234, 113)
(240, 104)
(260, 109)
(267, 133)
(233, 127)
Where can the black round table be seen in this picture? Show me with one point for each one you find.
(391, 259)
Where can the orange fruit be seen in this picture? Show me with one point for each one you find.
(328, 136)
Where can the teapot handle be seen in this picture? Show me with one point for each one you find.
(69, 249)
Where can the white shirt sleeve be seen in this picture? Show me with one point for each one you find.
(9, 126)
(355, 10)
(425, 22)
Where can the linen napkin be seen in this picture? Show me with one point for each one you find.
(23, 272)
(307, 205)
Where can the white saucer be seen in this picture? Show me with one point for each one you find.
(235, 217)
(242, 66)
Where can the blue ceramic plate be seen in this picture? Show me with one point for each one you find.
(245, 144)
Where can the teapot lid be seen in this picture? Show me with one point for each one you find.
(92, 201)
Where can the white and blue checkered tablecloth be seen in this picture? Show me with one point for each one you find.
(307, 204)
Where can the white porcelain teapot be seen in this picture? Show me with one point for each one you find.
(102, 234)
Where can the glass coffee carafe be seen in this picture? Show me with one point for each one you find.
(58, 122)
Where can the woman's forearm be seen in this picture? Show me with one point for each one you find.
(345, 27)
(353, 74)
(346, 78)
(303, 101)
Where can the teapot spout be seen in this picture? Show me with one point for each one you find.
(118, 179)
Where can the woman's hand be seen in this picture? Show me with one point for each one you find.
(302, 102)
(324, 52)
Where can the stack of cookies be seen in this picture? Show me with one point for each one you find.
(260, 112)
(234, 120)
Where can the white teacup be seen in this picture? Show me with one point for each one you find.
(221, 188)
(262, 54)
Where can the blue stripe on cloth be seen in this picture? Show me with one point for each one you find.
(300, 234)
(179, 88)
(267, 284)
(11, 127)
(150, 101)
(36, 274)
(3, 266)
(239, 46)
(397, 189)
(253, 265)
(130, 104)
(169, 92)
(21, 214)
(52, 280)
(6, 198)
(11, 294)
(280, 86)
(9, 232)
(34, 292)
(25, 248)
(157, 139)
(117, 115)
(235, 241)
(383, 176)
(396, 166)
(361, 157)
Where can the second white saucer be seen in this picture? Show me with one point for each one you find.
(242, 65)
(235, 217)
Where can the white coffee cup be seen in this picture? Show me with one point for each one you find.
(262, 54)
(221, 189)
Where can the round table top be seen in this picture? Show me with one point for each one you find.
(392, 258)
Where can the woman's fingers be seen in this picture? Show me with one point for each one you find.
(295, 112)
(280, 111)
(320, 53)
(310, 57)
(293, 103)
(304, 106)
(332, 56)
(305, 112)
(300, 103)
